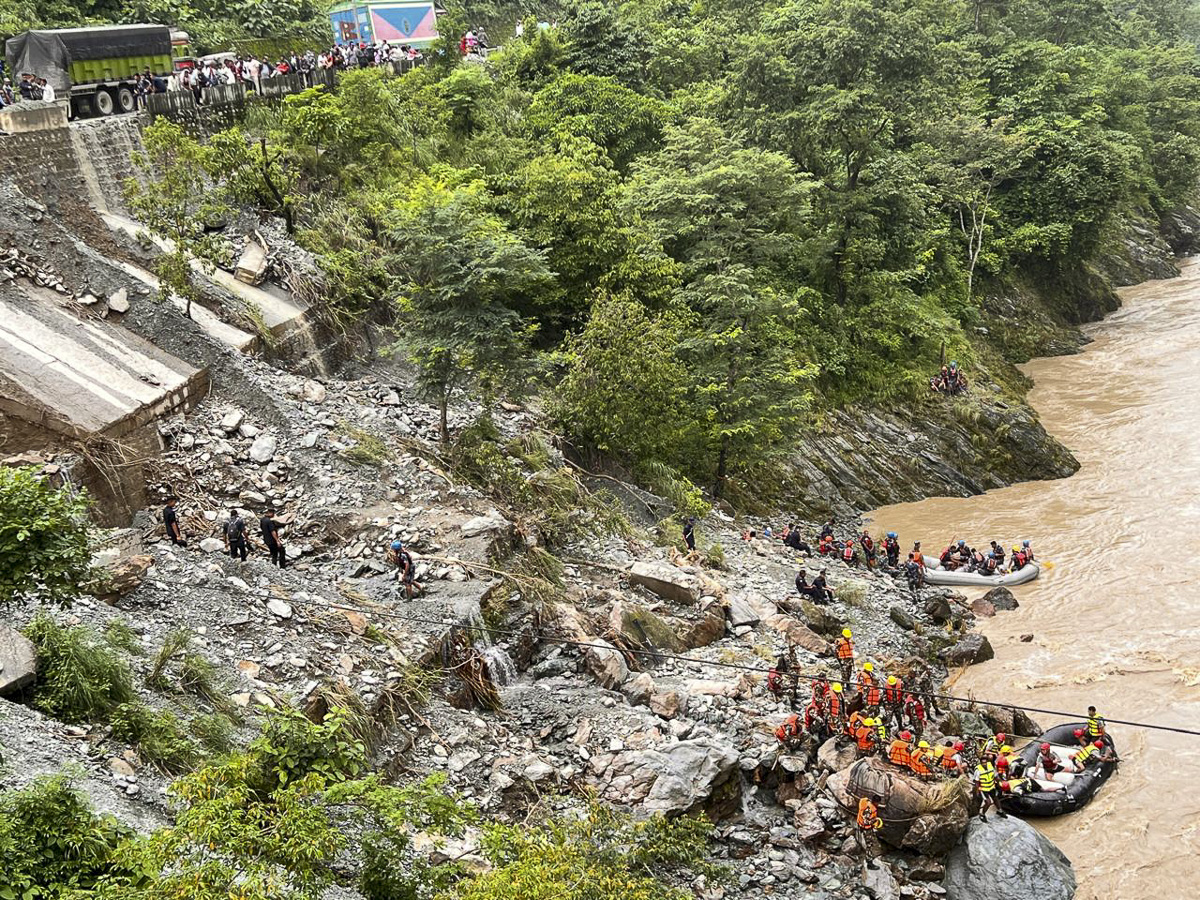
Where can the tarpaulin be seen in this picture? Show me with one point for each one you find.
(41, 53)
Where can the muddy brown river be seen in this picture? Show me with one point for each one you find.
(1116, 614)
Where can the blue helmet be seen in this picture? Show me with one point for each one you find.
(961, 542)
(1024, 543)
(891, 534)
(396, 545)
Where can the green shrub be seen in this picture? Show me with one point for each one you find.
(291, 747)
(80, 679)
(175, 644)
(120, 636)
(51, 842)
(44, 539)
(159, 736)
(214, 731)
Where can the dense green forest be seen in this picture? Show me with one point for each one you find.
(690, 226)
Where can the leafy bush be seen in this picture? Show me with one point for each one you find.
(120, 636)
(51, 842)
(45, 549)
(291, 748)
(80, 679)
(617, 857)
(159, 736)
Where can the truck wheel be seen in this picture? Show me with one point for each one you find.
(125, 100)
(102, 103)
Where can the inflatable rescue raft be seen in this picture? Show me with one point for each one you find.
(934, 574)
(1064, 792)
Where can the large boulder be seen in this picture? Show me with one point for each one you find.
(606, 663)
(18, 660)
(798, 634)
(123, 576)
(491, 522)
(926, 817)
(642, 628)
(836, 754)
(705, 626)
(743, 610)
(1007, 859)
(938, 609)
(699, 775)
(973, 648)
(1002, 599)
(821, 620)
(667, 581)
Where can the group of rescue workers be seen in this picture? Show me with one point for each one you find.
(958, 556)
(884, 717)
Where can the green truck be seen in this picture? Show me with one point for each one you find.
(96, 68)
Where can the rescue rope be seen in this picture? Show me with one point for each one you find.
(655, 654)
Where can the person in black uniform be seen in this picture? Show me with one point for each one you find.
(235, 536)
(171, 520)
(689, 533)
(270, 535)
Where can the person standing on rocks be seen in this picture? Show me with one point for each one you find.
(893, 701)
(844, 648)
(689, 534)
(235, 535)
(868, 688)
(171, 521)
(891, 549)
(403, 561)
(270, 536)
(989, 790)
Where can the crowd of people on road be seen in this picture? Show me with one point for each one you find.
(28, 87)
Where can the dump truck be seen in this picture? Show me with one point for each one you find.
(96, 68)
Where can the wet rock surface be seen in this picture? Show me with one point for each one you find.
(1007, 859)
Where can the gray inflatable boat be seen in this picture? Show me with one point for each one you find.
(935, 574)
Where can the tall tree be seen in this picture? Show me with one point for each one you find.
(460, 278)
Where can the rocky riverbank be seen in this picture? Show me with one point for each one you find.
(582, 709)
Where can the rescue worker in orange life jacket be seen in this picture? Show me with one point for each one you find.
(1018, 559)
(947, 559)
(844, 649)
(1028, 551)
(900, 751)
(868, 815)
(891, 549)
(893, 700)
(789, 732)
(868, 687)
(989, 564)
(836, 715)
(920, 760)
(849, 554)
(914, 713)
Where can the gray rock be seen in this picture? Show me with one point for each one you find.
(642, 628)
(669, 704)
(492, 521)
(263, 448)
(212, 545)
(972, 649)
(252, 497)
(821, 620)
(232, 420)
(310, 440)
(1007, 859)
(903, 618)
(697, 774)
(279, 608)
(880, 882)
(808, 822)
(118, 302)
(740, 612)
(1002, 599)
(935, 833)
(666, 581)
(18, 660)
(606, 663)
(836, 754)
(313, 392)
(639, 690)
(938, 609)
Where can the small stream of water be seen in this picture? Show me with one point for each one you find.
(1115, 615)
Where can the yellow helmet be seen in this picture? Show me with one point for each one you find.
(891, 679)
(846, 632)
(1006, 749)
(867, 667)
(924, 745)
(837, 686)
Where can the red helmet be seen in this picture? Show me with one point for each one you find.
(906, 735)
(1004, 786)
(1002, 763)
(958, 748)
(1099, 745)
(1045, 748)
(1002, 738)
(1078, 732)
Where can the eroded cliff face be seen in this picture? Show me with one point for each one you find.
(862, 459)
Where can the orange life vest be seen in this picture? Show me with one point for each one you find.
(774, 682)
(869, 688)
(918, 761)
(894, 693)
(868, 815)
(864, 736)
(835, 705)
(789, 729)
(848, 553)
(947, 759)
(845, 649)
(900, 753)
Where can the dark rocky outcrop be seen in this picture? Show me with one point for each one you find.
(1007, 859)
